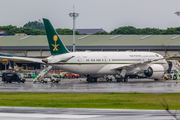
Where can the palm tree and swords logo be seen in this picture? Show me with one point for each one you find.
(55, 38)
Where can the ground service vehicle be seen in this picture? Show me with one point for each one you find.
(43, 76)
(40, 76)
(172, 75)
(174, 70)
(53, 78)
(12, 77)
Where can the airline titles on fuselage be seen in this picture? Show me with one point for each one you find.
(143, 56)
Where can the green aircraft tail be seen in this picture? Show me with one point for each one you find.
(56, 46)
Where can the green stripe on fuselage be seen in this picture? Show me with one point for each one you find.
(99, 63)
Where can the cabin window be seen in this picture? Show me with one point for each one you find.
(87, 59)
(116, 60)
(126, 59)
(98, 59)
(92, 59)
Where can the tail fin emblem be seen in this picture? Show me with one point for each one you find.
(55, 38)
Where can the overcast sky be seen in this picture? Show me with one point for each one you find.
(106, 14)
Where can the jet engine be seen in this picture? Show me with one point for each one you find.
(155, 71)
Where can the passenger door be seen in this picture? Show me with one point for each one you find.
(105, 59)
(79, 60)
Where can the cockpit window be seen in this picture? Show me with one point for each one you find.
(157, 55)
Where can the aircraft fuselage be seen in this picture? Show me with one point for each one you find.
(104, 62)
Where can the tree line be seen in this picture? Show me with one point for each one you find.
(12, 30)
(37, 28)
(145, 31)
(33, 28)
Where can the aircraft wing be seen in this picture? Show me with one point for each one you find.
(21, 58)
(139, 64)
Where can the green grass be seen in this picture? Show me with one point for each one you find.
(82, 100)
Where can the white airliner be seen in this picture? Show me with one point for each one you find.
(97, 64)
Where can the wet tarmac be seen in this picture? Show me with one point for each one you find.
(27, 113)
(81, 86)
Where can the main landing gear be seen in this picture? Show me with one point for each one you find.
(121, 79)
(118, 79)
(89, 79)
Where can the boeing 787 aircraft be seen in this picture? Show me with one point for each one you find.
(97, 64)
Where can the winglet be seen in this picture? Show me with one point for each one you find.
(55, 44)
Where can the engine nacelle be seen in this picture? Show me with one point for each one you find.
(155, 71)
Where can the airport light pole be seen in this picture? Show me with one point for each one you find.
(177, 13)
(74, 16)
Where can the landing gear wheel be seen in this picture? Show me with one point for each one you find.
(119, 79)
(95, 79)
(89, 80)
(42, 81)
(53, 81)
(170, 76)
(174, 77)
(125, 79)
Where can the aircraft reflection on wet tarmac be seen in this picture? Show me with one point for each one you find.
(81, 86)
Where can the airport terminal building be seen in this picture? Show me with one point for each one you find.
(37, 45)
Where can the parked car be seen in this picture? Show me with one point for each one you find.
(71, 75)
(12, 77)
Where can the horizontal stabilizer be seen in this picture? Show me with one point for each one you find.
(21, 58)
